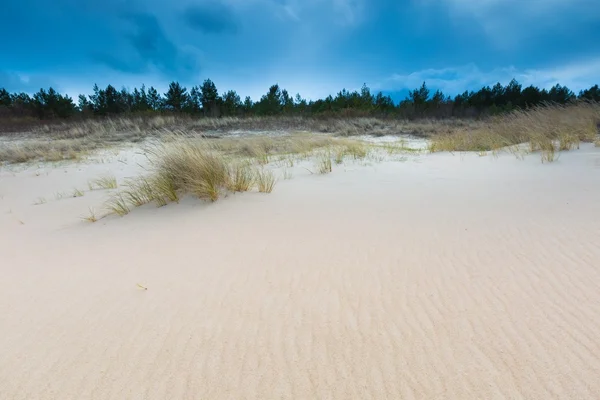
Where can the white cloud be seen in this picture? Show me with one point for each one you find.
(455, 80)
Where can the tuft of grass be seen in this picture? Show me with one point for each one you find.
(241, 178)
(324, 163)
(118, 205)
(138, 191)
(91, 217)
(265, 181)
(77, 193)
(287, 174)
(40, 200)
(568, 141)
(263, 159)
(357, 150)
(339, 156)
(104, 182)
(188, 165)
(164, 190)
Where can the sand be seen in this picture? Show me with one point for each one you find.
(439, 277)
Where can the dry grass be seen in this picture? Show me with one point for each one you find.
(241, 178)
(118, 205)
(73, 140)
(104, 182)
(191, 167)
(265, 181)
(22, 151)
(187, 165)
(324, 163)
(262, 148)
(547, 129)
(358, 150)
(91, 217)
(135, 128)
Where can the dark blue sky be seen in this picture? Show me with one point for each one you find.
(314, 47)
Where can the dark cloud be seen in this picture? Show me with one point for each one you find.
(148, 46)
(211, 17)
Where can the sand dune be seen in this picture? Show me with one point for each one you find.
(441, 277)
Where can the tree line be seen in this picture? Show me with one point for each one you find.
(205, 100)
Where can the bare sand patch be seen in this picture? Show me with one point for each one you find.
(441, 277)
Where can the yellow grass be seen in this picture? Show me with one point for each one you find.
(265, 181)
(324, 163)
(26, 150)
(241, 178)
(91, 217)
(547, 129)
(104, 182)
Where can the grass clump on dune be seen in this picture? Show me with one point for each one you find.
(265, 181)
(547, 129)
(241, 178)
(191, 167)
(104, 182)
(324, 163)
(183, 165)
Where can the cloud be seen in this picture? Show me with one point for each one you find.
(210, 17)
(509, 22)
(454, 80)
(148, 48)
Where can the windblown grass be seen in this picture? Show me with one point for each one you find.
(265, 181)
(118, 205)
(357, 150)
(186, 165)
(241, 178)
(324, 163)
(547, 129)
(91, 217)
(22, 151)
(191, 167)
(104, 182)
(262, 148)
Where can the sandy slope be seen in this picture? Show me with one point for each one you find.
(443, 277)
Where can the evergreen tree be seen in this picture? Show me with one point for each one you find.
(209, 98)
(155, 101)
(176, 97)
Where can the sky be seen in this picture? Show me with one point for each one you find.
(311, 47)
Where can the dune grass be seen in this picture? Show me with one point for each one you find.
(22, 151)
(104, 182)
(91, 217)
(324, 163)
(118, 205)
(265, 181)
(547, 129)
(185, 165)
(241, 177)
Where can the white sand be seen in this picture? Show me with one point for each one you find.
(442, 277)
